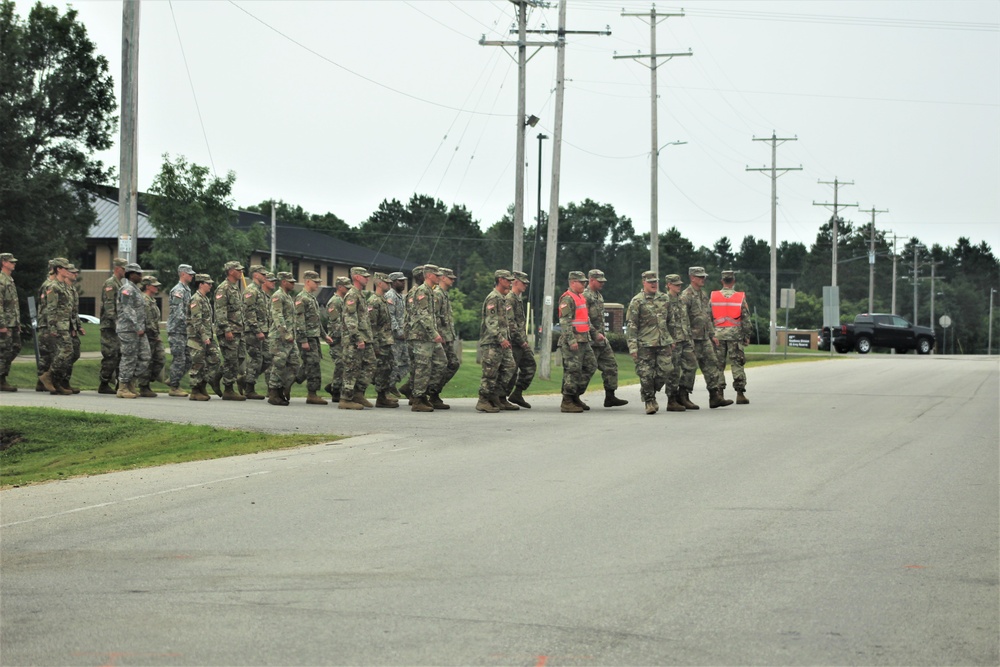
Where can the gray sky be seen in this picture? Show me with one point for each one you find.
(335, 106)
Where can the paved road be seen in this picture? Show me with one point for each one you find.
(848, 516)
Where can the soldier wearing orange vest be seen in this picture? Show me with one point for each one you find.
(731, 317)
(579, 362)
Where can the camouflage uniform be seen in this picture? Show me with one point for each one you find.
(445, 321)
(46, 344)
(58, 322)
(10, 319)
(335, 328)
(494, 330)
(428, 360)
(131, 326)
(699, 313)
(309, 329)
(284, 355)
(381, 322)
(580, 365)
(524, 358)
(359, 364)
(110, 346)
(682, 357)
(731, 342)
(205, 363)
(256, 320)
(157, 355)
(649, 339)
(180, 305)
(229, 320)
(400, 353)
(76, 326)
(603, 354)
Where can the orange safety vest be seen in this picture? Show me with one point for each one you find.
(581, 319)
(726, 310)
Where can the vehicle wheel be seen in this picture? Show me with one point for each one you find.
(863, 345)
(924, 346)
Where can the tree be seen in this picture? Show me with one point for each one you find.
(56, 110)
(192, 215)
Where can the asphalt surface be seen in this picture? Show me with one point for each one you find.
(848, 516)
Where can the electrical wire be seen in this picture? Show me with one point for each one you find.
(194, 95)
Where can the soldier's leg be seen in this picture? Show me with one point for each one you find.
(708, 363)
(439, 366)
(253, 362)
(314, 374)
(664, 369)
(572, 360)
(421, 366)
(196, 371)
(452, 363)
(46, 350)
(230, 350)
(279, 360)
(689, 366)
(588, 365)
(143, 357)
(508, 369)
(110, 355)
(213, 363)
(607, 364)
(738, 361)
(127, 344)
(180, 362)
(645, 369)
(62, 359)
(490, 360)
(351, 369)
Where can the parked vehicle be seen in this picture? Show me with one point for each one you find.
(878, 330)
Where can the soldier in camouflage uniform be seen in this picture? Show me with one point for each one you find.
(427, 358)
(358, 353)
(335, 327)
(205, 363)
(76, 325)
(494, 347)
(381, 321)
(680, 331)
(131, 328)
(397, 311)
(57, 324)
(229, 328)
(417, 275)
(605, 356)
(10, 319)
(446, 327)
(731, 316)
(46, 344)
(110, 350)
(257, 323)
(309, 331)
(284, 355)
(579, 363)
(524, 359)
(180, 305)
(699, 312)
(157, 355)
(649, 340)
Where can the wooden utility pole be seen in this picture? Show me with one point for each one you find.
(128, 184)
(871, 258)
(774, 169)
(654, 203)
(835, 221)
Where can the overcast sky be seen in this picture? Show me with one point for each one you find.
(336, 106)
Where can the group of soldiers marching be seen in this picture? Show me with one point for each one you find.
(257, 328)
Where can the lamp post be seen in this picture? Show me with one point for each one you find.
(989, 336)
(916, 279)
(532, 292)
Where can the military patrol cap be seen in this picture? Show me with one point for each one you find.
(577, 275)
(397, 275)
(185, 268)
(431, 268)
(597, 274)
(359, 271)
(448, 273)
(72, 268)
(522, 276)
(151, 280)
(673, 279)
(59, 263)
(417, 271)
(119, 261)
(232, 266)
(697, 271)
(729, 275)
(310, 275)
(130, 268)
(342, 281)
(256, 268)
(503, 273)
(380, 277)
(203, 278)
(649, 277)
(286, 275)
(8, 257)
(270, 277)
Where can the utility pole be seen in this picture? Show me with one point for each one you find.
(835, 220)
(871, 259)
(654, 204)
(128, 184)
(894, 258)
(532, 288)
(916, 278)
(274, 238)
(934, 280)
(774, 227)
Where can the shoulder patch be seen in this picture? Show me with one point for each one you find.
(350, 302)
(219, 295)
(108, 288)
(421, 297)
(248, 295)
(274, 298)
(299, 302)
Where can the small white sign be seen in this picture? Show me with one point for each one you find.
(548, 299)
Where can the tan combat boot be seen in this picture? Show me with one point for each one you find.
(504, 403)
(569, 404)
(346, 404)
(651, 407)
(421, 404)
(146, 392)
(583, 406)
(436, 402)
(251, 392)
(125, 390)
(486, 405)
(717, 400)
(685, 400)
(673, 405)
(741, 398)
(230, 395)
(274, 396)
(177, 391)
(46, 381)
(314, 399)
(385, 401)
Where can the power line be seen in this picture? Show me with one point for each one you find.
(197, 106)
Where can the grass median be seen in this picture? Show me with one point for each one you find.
(42, 444)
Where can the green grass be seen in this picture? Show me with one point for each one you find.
(41, 444)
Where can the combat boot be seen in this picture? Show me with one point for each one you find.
(61, 389)
(72, 389)
(421, 404)
(274, 396)
(436, 402)
(359, 398)
(230, 395)
(651, 407)
(717, 400)
(583, 406)
(313, 399)
(146, 392)
(612, 401)
(346, 404)
(385, 401)
(125, 390)
(251, 392)
(334, 393)
(217, 387)
(685, 400)
(105, 388)
(199, 392)
(46, 381)
(393, 392)
(673, 405)
(741, 398)
(177, 391)
(517, 398)
(485, 405)
(406, 390)
(286, 393)
(41, 387)
(505, 404)
(4, 386)
(569, 404)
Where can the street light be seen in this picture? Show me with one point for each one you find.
(532, 292)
